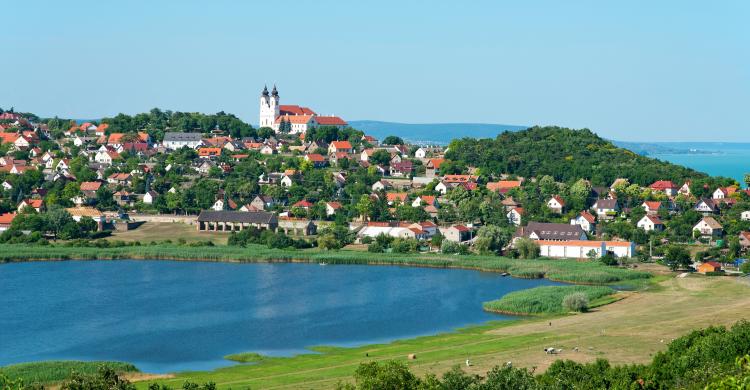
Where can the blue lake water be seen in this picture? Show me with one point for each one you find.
(167, 316)
(729, 162)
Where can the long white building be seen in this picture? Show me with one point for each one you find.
(580, 249)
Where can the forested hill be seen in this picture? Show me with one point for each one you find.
(565, 154)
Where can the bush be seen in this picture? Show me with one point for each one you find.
(609, 259)
(745, 267)
(576, 302)
(375, 247)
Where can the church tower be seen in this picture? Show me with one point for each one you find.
(269, 107)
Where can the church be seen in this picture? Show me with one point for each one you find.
(290, 118)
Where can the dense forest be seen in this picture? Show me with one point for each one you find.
(565, 154)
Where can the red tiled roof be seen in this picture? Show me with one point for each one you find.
(293, 109)
(330, 121)
(662, 185)
(303, 203)
(90, 185)
(7, 218)
(294, 119)
(341, 144)
(315, 157)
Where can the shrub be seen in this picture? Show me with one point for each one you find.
(576, 302)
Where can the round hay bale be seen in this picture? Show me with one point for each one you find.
(412, 356)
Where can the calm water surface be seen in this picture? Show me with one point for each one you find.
(168, 316)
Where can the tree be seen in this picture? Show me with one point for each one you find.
(677, 256)
(328, 241)
(491, 239)
(527, 248)
(393, 140)
(380, 157)
(576, 302)
(365, 207)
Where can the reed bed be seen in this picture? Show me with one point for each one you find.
(56, 371)
(542, 300)
(570, 271)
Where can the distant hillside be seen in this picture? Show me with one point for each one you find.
(435, 133)
(564, 154)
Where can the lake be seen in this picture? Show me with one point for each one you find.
(166, 316)
(730, 162)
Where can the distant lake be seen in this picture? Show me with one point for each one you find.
(167, 316)
(730, 161)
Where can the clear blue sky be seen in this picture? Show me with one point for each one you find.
(648, 70)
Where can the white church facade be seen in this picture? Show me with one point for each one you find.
(290, 118)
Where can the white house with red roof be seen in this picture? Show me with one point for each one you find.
(585, 220)
(665, 186)
(556, 204)
(650, 223)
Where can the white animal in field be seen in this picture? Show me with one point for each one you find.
(552, 351)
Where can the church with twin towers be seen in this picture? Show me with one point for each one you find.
(291, 118)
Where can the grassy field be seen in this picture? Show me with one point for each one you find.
(543, 300)
(56, 371)
(628, 331)
(160, 231)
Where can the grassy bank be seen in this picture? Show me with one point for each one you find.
(543, 300)
(56, 371)
(571, 271)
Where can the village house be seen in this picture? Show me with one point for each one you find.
(556, 204)
(432, 168)
(332, 208)
(652, 207)
(79, 212)
(685, 189)
(503, 186)
(515, 216)
(605, 208)
(585, 220)
(706, 206)
(263, 202)
(744, 237)
(317, 160)
(650, 223)
(424, 200)
(665, 186)
(401, 169)
(709, 227)
(6, 219)
(36, 204)
(150, 197)
(340, 147)
(745, 215)
(123, 179)
(394, 198)
(456, 233)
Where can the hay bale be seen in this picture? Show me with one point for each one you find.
(412, 356)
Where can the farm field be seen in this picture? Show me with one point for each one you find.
(628, 331)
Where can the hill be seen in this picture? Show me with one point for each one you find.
(564, 154)
(430, 133)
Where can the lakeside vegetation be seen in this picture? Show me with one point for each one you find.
(544, 300)
(571, 271)
(56, 371)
